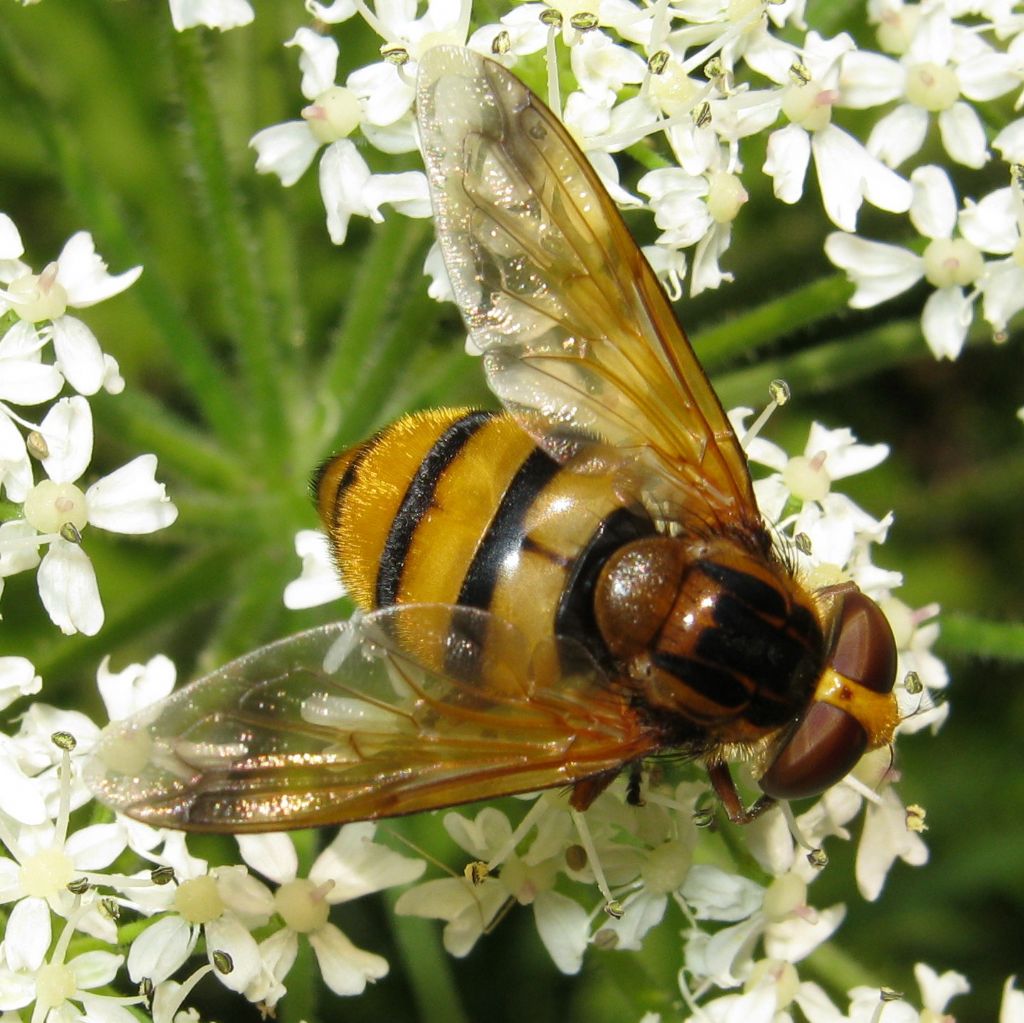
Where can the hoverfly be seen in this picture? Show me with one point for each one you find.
(549, 594)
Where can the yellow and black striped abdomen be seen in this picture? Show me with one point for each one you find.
(456, 506)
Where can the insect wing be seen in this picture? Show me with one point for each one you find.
(580, 342)
(342, 723)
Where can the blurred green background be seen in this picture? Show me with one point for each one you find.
(252, 347)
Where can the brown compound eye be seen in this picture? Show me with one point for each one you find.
(865, 650)
(828, 740)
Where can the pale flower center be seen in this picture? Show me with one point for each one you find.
(46, 873)
(785, 896)
(809, 106)
(333, 115)
(126, 752)
(302, 905)
(783, 978)
(806, 478)
(49, 506)
(55, 984)
(897, 29)
(952, 262)
(673, 90)
(738, 10)
(666, 868)
(726, 196)
(41, 297)
(198, 901)
(932, 86)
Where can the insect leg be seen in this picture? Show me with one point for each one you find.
(725, 789)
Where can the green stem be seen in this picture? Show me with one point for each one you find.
(966, 634)
(371, 304)
(826, 367)
(231, 266)
(139, 421)
(97, 206)
(759, 327)
(427, 967)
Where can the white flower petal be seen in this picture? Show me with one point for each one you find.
(789, 150)
(129, 500)
(134, 687)
(27, 935)
(78, 354)
(19, 547)
(885, 837)
(945, 320)
(10, 240)
(847, 173)
(870, 79)
(332, 13)
(714, 894)
(68, 590)
(796, 937)
(937, 991)
(343, 176)
(220, 14)
(24, 378)
(933, 211)
(286, 150)
(160, 949)
(963, 135)
(357, 865)
(345, 968)
(319, 582)
(96, 846)
(93, 969)
(15, 467)
(406, 192)
(84, 274)
(227, 934)
(17, 678)
(1010, 141)
(67, 429)
(272, 855)
(318, 61)
(385, 94)
(564, 927)
(899, 134)
(1003, 290)
(991, 223)
(879, 271)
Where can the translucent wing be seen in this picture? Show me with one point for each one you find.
(341, 723)
(580, 342)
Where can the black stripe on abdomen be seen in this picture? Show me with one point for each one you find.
(505, 534)
(417, 500)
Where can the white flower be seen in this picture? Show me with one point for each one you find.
(224, 903)
(137, 686)
(76, 280)
(222, 14)
(351, 866)
(319, 581)
(374, 98)
(56, 511)
(939, 62)
(847, 173)
(469, 909)
(886, 838)
(949, 264)
(45, 860)
(994, 224)
(1012, 1009)
(17, 678)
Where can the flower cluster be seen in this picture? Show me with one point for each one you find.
(43, 349)
(249, 932)
(704, 80)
